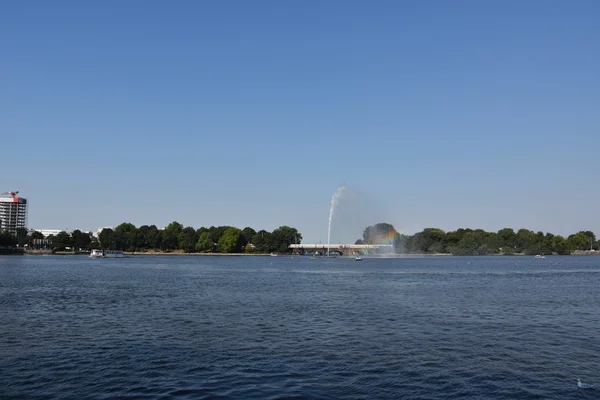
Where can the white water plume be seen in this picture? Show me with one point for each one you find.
(351, 211)
(337, 196)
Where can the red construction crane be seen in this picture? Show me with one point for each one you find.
(11, 194)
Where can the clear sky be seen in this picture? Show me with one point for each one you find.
(449, 114)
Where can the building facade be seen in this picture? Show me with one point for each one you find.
(13, 214)
(47, 232)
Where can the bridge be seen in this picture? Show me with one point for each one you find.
(341, 248)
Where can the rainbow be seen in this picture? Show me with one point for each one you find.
(386, 238)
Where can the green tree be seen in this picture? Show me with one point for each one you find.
(468, 245)
(125, 236)
(282, 237)
(200, 231)
(80, 240)
(154, 237)
(141, 238)
(261, 241)
(430, 240)
(205, 242)
(579, 241)
(493, 243)
(524, 239)
(539, 244)
(61, 241)
(36, 235)
(231, 241)
(7, 239)
(248, 234)
(106, 238)
(507, 240)
(22, 238)
(560, 245)
(188, 239)
(590, 235)
(171, 235)
(94, 243)
(217, 231)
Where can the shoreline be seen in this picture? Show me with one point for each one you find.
(407, 255)
(158, 253)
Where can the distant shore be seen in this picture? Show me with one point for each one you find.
(180, 253)
(173, 253)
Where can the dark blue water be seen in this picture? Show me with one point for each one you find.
(276, 327)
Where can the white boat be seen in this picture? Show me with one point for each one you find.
(358, 258)
(106, 254)
(97, 254)
(540, 256)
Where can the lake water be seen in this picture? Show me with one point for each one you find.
(277, 327)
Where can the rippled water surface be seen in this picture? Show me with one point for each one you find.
(277, 327)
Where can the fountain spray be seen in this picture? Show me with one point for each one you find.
(337, 195)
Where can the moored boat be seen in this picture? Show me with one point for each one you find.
(106, 254)
(96, 254)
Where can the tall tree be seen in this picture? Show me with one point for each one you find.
(205, 242)
(524, 239)
(283, 236)
(261, 241)
(94, 243)
(154, 237)
(62, 240)
(188, 239)
(106, 237)
(125, 236)
(80, 240)
(231, 241)
(171, 235)
(579, 241)
(36, 235)
(141, 238)
(560, 245)
(430, 240)
(506, 240)
(7, 239)
(22, 237)
(248, 234)
(217, 231)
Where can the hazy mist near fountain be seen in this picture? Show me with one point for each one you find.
(351, 211)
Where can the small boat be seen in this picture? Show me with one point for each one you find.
(97, 254)
(540, 256)
(106, 254)
(358, 258)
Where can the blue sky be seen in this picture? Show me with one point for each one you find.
(251, 113)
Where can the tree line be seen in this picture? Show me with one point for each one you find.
(228, 239)
(479, 242)
(221, 239)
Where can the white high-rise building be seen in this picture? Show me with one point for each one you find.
(13, 212)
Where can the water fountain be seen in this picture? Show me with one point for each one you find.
(337, 195)
(350, 212)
